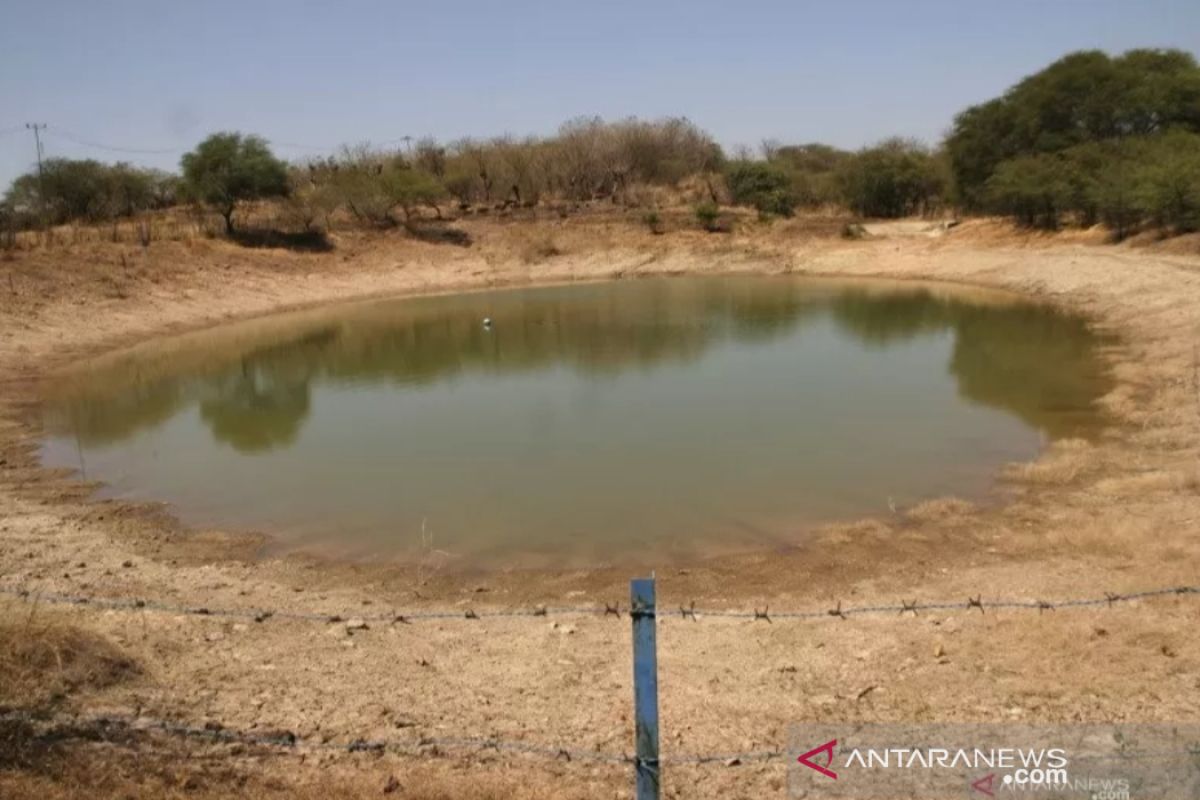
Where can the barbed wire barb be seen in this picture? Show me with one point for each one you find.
(692, 612)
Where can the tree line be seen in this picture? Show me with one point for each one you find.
(1092, 138)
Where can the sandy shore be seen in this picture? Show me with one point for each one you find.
(1118, 515)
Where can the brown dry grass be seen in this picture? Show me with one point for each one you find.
(539, 246)
(1118, 515)
(53, 768)
(43, 661)
(1063, 464)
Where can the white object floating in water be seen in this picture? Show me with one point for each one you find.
(487, 322)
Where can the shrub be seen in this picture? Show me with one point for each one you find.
(762, 185)
(309, 205)
(359, 188)
(587, 159)
(654, 222)
(86, 190)
(853, 231)
(708, 214)
(442, 234)
(811, 169)
(410, 189)
(539, 246)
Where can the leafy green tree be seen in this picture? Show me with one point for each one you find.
(1033, 189)
(1083, 97)
(893, 179)
(1120, 198)
(229, 168)
(1170, 170)
(128, 190)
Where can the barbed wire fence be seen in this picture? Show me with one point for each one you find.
(646, 761)
(689, 612)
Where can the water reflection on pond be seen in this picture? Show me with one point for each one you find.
(634, 420)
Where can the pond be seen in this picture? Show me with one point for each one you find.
(641, 421)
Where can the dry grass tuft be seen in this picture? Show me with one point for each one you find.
(940, 509)
(1063, 464)
(1146, 483)
(538, 247)
(43, 662)
(857, 531)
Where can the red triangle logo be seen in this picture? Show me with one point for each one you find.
(984, 785)
(827, 749)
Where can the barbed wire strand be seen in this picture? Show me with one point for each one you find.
(262, 615)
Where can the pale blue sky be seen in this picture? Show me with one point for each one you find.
(160, 75)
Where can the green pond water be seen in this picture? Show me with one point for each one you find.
(643, 421)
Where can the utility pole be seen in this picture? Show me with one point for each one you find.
(37, 128)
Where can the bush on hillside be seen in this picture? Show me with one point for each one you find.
(760, 185)
(86, 190)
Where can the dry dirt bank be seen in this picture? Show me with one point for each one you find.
(1118, 515)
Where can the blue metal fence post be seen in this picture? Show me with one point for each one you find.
(645, 687)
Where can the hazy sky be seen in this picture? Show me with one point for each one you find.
(159, 75)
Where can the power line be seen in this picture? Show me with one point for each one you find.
(70, 137)
(297, 146)
(85, 142)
